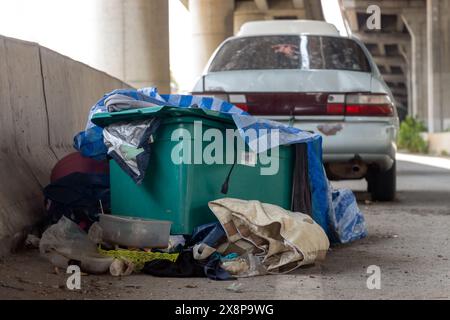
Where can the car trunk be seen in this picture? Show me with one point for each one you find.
(286, 93)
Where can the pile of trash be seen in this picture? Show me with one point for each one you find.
(249, 237)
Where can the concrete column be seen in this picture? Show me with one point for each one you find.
(247, 11)
(212, 22)
(438, 49)
(313, 9)
(409, 87)
(132, 41)
(241, 17)
(415, 21)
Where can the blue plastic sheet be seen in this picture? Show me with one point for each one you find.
(347, 221)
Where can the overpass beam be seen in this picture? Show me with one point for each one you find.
(212, 22)
(438, 48)
(133, 41)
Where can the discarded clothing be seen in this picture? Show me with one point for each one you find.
(347, 222)
(75, 162)
(286, 240)
(229, 257)
(185, 266)
(129, 144)
(138, 258)
(214, 271)
(210, 233)
(176, 244)
(206, 239)
(78, 196)
(120, 102)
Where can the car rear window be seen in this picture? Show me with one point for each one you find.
(290, 52)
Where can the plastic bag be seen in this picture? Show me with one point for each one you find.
(90, 142)
(247, 265)
(64, 244)
(347, 221)
(129, 145)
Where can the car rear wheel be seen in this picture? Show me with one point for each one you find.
(382, 184)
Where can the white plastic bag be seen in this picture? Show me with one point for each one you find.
(65, 243)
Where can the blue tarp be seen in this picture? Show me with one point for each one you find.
(337, 213)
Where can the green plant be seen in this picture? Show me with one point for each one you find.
(410, 135)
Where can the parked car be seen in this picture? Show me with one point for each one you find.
(305, 74)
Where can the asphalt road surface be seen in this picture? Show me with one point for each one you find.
(408, 240)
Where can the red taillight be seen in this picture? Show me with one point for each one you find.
(310, 104)
(336, 104)
(242, 106)
(335, 109)
(240, 101)
(369, 110)
(369, 105)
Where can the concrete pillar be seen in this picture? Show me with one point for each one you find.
(409, 86)
(241, 17)
(246, 11)
(132, 41)
(313, 9)
(415, 22)
(212, 22)
(438, 49)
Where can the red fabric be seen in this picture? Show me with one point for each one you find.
(75, 162)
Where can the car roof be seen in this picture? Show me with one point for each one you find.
(285, 27)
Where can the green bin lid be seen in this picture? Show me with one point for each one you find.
(104, 119)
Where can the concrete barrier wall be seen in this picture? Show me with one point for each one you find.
(439, 143)
(44, 101)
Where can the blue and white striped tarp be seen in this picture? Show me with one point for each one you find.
(90, 142)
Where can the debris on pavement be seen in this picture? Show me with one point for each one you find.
(239, 238)
(267, 231)
(138, 257)
(65, 241)
(121, 267)
(236, 287)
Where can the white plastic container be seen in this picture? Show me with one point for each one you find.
(135, 232)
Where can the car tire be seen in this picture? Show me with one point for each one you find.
(382, 184)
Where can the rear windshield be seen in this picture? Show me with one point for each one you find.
(290, 52)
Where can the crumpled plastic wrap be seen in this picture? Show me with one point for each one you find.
(64, 244)
(129, 144)
(347, 221)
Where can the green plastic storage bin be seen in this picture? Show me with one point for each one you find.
(180, 193)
